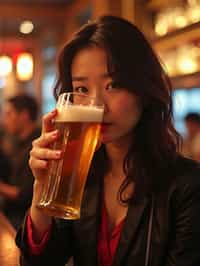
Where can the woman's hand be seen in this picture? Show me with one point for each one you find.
(40, 156)
(42, 152)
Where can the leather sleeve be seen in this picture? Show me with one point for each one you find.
(58, 249)
(184, 248)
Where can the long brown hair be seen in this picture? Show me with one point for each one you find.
(133, 65)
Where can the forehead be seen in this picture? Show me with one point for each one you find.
(89, 59)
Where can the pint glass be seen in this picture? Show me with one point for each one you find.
(78, 122)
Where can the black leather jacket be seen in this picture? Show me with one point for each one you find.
(175, 228)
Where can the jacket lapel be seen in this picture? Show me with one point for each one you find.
(90, 216)
(133, 219)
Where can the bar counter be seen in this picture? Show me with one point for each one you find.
(9, 253)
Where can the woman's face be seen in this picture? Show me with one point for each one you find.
(122, 108)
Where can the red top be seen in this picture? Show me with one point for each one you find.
(106, 245)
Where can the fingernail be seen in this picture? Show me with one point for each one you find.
(58, 154)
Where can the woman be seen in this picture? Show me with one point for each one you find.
(141, 203)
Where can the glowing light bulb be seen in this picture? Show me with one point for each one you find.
(187, 65)
(5, 65)
(181, 22)
(26, 27)
(161, 28)
(25, 66)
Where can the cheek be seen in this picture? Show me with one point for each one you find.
(128, 107)
(119, 104)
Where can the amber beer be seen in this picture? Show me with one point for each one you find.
(79, 128)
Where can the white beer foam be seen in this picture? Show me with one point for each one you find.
(79, 113)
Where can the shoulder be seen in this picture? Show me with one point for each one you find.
(180, 195)
(182, 172)
(186, 171)
(185, 182)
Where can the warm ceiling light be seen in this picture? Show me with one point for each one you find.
(26, 27)
(192, 2)
(180, 21)
(5, 65)
(187, 65)
(161, 28)
(194, 14)
(24, 66)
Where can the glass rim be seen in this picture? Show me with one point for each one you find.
(97, 104)
(77, 93)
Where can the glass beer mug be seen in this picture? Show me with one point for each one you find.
(78, 122)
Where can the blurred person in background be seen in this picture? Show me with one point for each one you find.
(191, 143)
(19, 120)
(5, 164)
(7, 140)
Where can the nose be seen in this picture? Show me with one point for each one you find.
(98, 96)
(100, 100)
(98, 93)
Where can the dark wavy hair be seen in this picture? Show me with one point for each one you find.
(133, 65)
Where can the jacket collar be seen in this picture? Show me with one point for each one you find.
(130, 228)
(91, 217)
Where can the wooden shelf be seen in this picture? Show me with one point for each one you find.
(155, 5)
(186, 81)
(175, 39)
(179, 37)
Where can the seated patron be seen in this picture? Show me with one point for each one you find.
(19, 120)
(191, 143)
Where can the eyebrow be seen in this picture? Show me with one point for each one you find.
(79, 78)
(84, 78)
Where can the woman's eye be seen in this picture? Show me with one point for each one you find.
(111, 86)
(80, 90)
